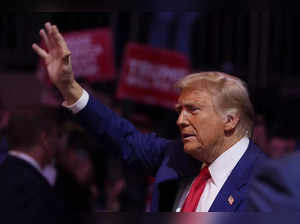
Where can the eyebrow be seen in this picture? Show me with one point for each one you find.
(179, 106)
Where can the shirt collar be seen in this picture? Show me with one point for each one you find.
(221, 168)
(26, 158)
(49, 172)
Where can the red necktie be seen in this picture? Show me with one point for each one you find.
(192, 200)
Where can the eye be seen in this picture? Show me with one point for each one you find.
(178, 109)
(193, 109)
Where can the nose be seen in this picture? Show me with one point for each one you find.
(182, 121)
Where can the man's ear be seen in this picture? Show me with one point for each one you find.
(232, 118)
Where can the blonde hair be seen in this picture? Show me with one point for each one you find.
(229, 94)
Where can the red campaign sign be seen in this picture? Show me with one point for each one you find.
(92, 55)
(149, 74)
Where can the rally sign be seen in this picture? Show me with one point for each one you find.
(92, 55)
(149, 74)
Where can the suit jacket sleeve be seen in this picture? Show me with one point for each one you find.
(276, 186)
(145, 151)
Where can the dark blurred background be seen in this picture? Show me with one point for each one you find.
(258, 41)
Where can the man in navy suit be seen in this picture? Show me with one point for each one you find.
(215, 120)
(26, 192)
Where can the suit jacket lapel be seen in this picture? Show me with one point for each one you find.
(235, 189)
(228, 199)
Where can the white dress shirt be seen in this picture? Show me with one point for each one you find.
(219, 170)
(49, 172)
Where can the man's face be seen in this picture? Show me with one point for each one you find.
(51, 144)
(202, 129)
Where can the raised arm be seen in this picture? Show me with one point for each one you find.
(139, 149)
(57, 58)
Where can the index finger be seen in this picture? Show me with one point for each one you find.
(45, 38)
(59, 38)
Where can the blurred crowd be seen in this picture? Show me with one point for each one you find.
(89, 176)
(85, 173)
(277, 122)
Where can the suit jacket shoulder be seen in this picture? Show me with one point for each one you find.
(26, 195)
(234, 194)
(276, 185)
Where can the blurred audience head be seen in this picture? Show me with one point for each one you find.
(280, 146)
(283, 129)
(75, 158)
(260, 134)
(141, 121)
(33, 130)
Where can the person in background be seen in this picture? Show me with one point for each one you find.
(26, 191)
(75, 181)
(260, 133)
(280, 146)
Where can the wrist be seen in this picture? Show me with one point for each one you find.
(71, 91)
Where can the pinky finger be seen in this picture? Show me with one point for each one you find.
(41, 52)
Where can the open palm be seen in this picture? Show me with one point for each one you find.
(57, 56)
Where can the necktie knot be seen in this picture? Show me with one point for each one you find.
(204, 173)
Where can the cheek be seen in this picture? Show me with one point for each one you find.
(207, 130)
(200, 129)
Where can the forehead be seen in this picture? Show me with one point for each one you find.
(194, 96)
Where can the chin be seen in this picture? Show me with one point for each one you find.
(190, 150)
(190, 145)
(194, 152)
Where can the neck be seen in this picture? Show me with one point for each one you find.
(231, 141)
(221, 148)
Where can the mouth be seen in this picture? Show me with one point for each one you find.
(187, 136)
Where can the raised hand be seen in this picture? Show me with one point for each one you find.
(57, 58)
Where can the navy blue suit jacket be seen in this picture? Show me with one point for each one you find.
(166, 160)
(26, 196)
(276, 185)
